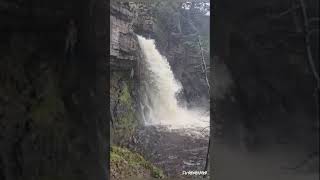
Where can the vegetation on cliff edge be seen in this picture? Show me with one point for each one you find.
(125, 164)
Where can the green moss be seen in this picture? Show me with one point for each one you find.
(124, 127)
(114, 157)
(157, 173)
(125, 121)
(134, 162)
(125, 96)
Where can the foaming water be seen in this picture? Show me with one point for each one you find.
(159, 104)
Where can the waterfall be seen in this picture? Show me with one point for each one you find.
(158, 100)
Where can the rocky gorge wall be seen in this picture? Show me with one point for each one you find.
(125, 56)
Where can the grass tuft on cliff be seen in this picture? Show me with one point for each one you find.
(125, 164)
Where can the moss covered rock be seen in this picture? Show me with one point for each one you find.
(125, 164)
(124, 119)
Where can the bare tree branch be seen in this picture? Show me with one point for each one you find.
(207, 158)
(204, 66)
(312, 31)
(307, 41)
(314, 19)
(292, 9)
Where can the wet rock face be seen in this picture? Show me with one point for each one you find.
(127, 20)
(125, 57)
(123, 44)
(123, 107)
(143, 21)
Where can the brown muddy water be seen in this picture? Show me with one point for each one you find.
(174, 151)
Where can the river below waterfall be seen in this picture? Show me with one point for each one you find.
(173, 137)
(174, 151)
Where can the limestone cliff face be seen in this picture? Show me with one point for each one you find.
(125, 56)
(123, 42)
(143, 22)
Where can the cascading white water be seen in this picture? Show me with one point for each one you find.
(159, 103)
